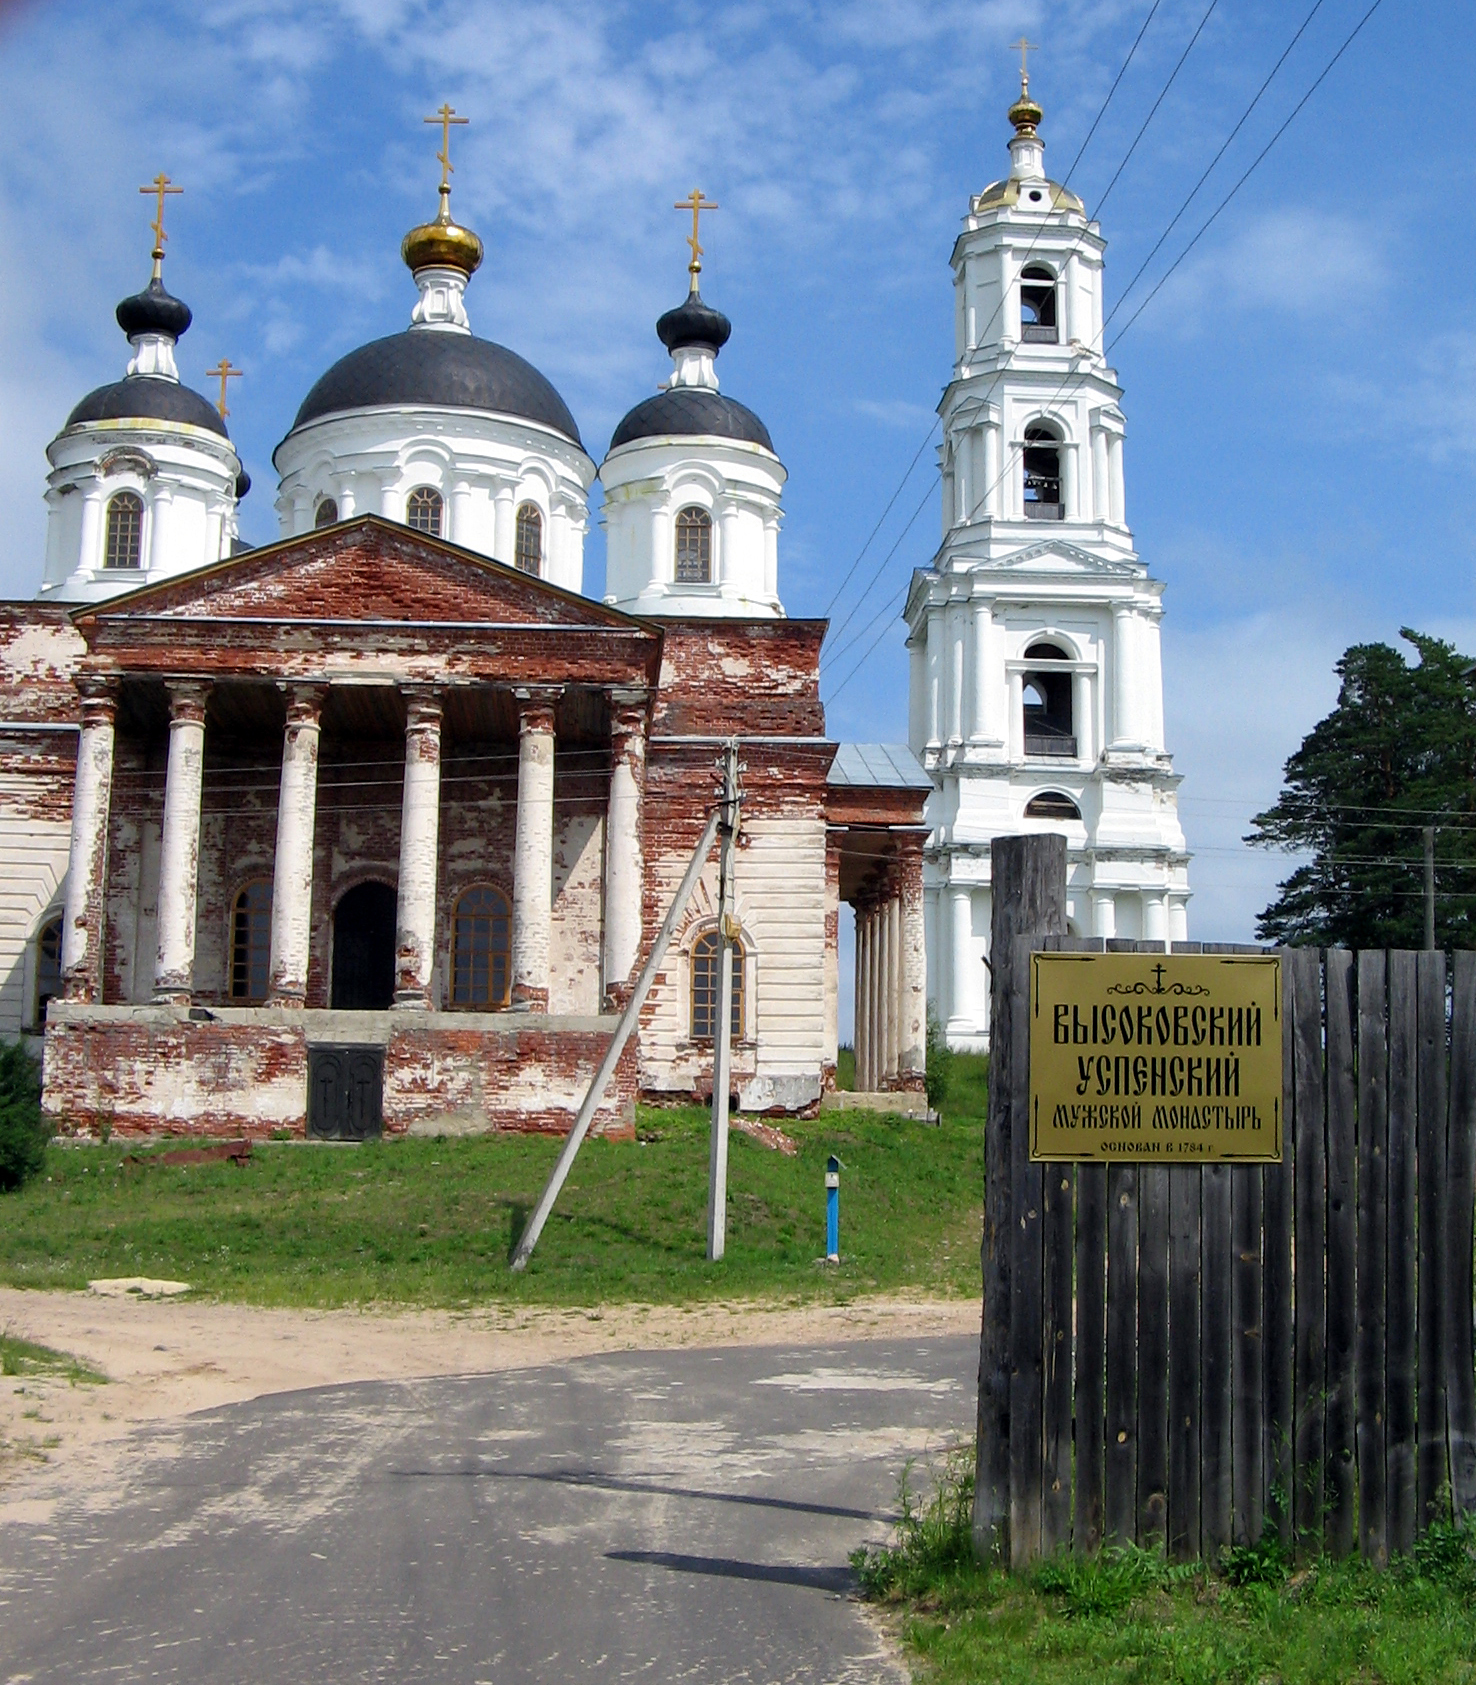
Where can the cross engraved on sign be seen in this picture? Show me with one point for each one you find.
(448, 120)
(696, 204)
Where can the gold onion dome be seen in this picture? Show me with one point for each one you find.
(1025, 114)
(442, 244)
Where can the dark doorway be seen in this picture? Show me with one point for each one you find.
(345, 1093)
(364, 949)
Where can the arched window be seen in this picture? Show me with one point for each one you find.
(706, 951)
(423, 510)
(1049, 719)
(694, 547)
(1038, 305)
(481, 949)
(48, 966)
(1042, 473)
(529, 552)
(326, 513)
(125, 531)
(1051, 804)
(251, 941)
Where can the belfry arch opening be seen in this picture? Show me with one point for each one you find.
(1042, 455)
(364, 949)
(1050, 726)
(1038, 306)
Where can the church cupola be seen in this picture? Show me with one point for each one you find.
(144, 480)
(692, 484)
(451, 434)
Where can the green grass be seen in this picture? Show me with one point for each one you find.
(1131, 1618)
(26, 1358)
(432, 1222)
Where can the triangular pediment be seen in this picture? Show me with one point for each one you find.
(1054, 555)
(366, 570)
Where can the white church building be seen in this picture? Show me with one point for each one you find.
(1036, 686)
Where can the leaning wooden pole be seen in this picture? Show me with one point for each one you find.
(1028, 882)
(575, 1138)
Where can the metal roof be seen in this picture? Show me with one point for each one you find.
(879, 766)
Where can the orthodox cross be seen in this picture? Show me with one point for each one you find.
(1022, 46)
(159, 186)
(696, 204)
(448, 120)
(224, 372)
(1158, 979)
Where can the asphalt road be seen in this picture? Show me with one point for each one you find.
(679, 1515)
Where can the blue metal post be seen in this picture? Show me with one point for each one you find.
(832, 1209)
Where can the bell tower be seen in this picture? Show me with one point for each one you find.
(1036, 690)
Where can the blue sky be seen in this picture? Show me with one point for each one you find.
(1301, 396)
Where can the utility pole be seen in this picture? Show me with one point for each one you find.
(722, 1039)
(1429, 889)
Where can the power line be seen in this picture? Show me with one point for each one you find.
(927, 438)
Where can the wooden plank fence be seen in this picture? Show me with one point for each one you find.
(1194, 1351)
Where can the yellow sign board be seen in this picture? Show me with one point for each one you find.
(1166, 1057)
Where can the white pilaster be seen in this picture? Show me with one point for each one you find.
(960, 951)
(292, 872)
(420, 825)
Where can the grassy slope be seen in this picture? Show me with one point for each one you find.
(432, 1222)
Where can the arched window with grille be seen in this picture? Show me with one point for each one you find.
(481, 949)
(251, 941)
(694, 547)
(1042, 454)
(706, 956)
(48, 967)
(326, 513)
(1038, 305)
(423, 510)
(529, 550)
(124, 543)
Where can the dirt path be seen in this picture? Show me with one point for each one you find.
(167, 1358)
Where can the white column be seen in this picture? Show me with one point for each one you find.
(1155, 916)
(292, 872)
(347, 499)
(894, 989)
(863, 1006)
(420, 847)
(771, 559)
(1017, 716)
(985, 726)
(624, 861)
(1068, 482)
(159, 502)
(1104, 913)
(179, 845)
(1081, 714)
(90, 555)
(504, 525)
(1117, 511)
(912, 1057)
(990, 488)
(960, 953)
(532, 913)
(935, 675)
(87, 873)
(1124, 715)
(458, 508)
(1101, 496)
(392, 501)
(957, 649)
(728, 547)
(917, 693)
(878, 1060)
(883, 1003)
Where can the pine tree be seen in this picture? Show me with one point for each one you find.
(1398, 753)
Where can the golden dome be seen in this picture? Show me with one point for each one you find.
(1025, 114)
(442, 244)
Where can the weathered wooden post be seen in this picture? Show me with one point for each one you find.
(1028, 878)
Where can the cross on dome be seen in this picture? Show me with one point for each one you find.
(224, 371)
(158, 187)
(696, 203)
(448, 120)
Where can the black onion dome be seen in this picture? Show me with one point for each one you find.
(440, 370)
(153, 311)
(148, 397)
(243, 484)
(694, 323)
(692, 411)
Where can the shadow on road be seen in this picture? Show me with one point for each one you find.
(837, 1580)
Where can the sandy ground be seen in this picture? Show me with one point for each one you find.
(165, 1358)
